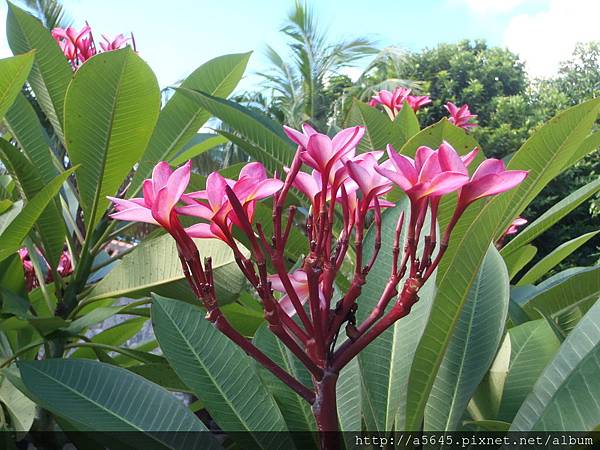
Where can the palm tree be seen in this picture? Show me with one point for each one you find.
(297, 82)
(51, 12)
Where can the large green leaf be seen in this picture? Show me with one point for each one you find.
(206, 143)
(13, 73)
(51, 73)
(21, 410)
(50, 224)
(379, 129)
(550, 217)
(553, 258)
(554, 298)
(566, 397)
(472, 347)
(25, 127)
(181, 118)
(219, 373)
(296, 411)
(14, 234)
(517, 260)
(544, 155)
(261, 138)
(100, 397)
(155, 267)
(110, 111)
(435, 134)
(533, 344)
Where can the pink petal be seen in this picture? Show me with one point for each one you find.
(403, 164)
(320, 148)
(307, 184)
(178, 182)
(431, 168)
(255, 170)
(296, 136)
(197, 210)
(265, 189)
(347, 139)
(200, 230)
(137, 214)
(160, 176)
(450, 160)
(398, 178)
(361, 176)
(488, 167)
(421, 155)
(215, 189)
(469, 157)
(444, 183)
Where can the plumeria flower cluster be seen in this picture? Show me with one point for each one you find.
(345, 193)
(79, 46)
(392, 102)
(64, 268)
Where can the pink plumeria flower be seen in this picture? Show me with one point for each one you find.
(490, 178)
(422, 176)
(77, 46)
(321, 152)
(114, 44)
(391, 101)
(161, 193)
(417, 101)
(370, 182)
(299, 282)
(65, 266)
(460, 116)
(252, 185)
(515, 225)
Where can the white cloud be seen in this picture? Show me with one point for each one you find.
(544, 39)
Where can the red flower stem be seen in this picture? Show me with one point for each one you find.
(396, 246)
(401, 308)
(203, 286)
(377, 244)
(314, 301)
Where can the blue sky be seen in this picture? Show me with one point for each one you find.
(178, 35)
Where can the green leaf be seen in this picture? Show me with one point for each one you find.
(379, 129)
(110, 111)
(260, 137)
(296, 411)
(116, 335)
(181, 118)
(219, 373)
(21, 410)
(566, 397)
(154, 266)
(17, 230)
(78, 391)
(435, 134)
(551, 216)
(489, 425)
(13, 73)
(50, 224)
(51, 73)
(208, 142)
(554, 258)
(25, 126)
(517, 260)
(161, 374)
(544, 155)
(472, 347)
(533, 345)
(555, 298)
(407, 122)
(349, 399)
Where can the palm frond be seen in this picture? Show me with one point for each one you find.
(52, 13)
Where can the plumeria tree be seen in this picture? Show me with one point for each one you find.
(370, 279)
